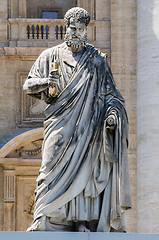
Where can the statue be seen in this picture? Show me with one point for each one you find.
(83, 182)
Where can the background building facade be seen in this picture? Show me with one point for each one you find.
(128, 32)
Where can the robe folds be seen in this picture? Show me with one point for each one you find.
(84, 172)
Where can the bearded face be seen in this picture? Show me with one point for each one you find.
(76, 35)
(75, 43)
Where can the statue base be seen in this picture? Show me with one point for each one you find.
(76, 236)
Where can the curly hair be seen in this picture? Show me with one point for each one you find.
(79, 14)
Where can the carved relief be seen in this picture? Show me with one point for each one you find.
(27, 150)
(32, 151)
(30, 206)
(24, 201)
(29, 110)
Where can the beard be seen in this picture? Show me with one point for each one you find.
(75, 43)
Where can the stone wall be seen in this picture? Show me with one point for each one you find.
(9, 67)
(40, 5)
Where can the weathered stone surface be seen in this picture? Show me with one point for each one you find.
(123, 62)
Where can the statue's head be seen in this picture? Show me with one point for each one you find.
(76, 20)
(77, 14)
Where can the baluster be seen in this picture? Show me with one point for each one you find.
(56, 32)
(33, 31)
(47, 31)
(42, 32)
(61, 32)
(65, 30)
(28, 32)
(37, 31)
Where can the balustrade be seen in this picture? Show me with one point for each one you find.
(42, 32)
(36, 32)
(28, 32)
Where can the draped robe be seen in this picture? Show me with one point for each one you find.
(84, 171)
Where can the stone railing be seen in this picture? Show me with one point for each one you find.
(40, 32)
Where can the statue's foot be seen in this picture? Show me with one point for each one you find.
(83, 228)
(37, 225)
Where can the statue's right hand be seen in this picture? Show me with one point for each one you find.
(53, 80)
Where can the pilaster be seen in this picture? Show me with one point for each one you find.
(123, 66)
(148, 115)
(9, 200)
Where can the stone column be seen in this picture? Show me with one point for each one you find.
(123, 66)
(9, 200)
(3, 23)
(148, 115)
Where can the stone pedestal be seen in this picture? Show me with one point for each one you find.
(75, 235)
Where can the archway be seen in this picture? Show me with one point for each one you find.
(20, 161)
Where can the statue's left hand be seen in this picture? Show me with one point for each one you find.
(111, 121)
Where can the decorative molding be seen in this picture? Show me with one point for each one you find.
(9, 186)
(31, 152)
(29, 110)
(26, 54)
(20, 140)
